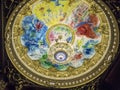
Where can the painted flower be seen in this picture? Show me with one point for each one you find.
(51, 36)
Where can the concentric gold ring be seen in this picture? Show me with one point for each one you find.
(58, 47)
(91, 69)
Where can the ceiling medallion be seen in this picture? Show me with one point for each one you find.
(58, 40)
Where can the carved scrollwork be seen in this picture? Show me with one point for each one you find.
(2, 85)
(16, 78)
(115, 7)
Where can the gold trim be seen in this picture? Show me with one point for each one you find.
(67, 83)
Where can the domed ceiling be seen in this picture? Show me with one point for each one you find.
(61, 43)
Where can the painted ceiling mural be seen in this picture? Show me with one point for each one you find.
(51, 41)
(60, 36)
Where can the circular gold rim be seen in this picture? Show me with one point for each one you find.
(68, 83)
(61, 49)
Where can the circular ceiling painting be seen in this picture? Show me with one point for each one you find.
(51, 41)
